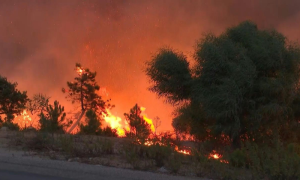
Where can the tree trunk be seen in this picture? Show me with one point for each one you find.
(77, 122)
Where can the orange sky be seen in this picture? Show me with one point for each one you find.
(40, 41)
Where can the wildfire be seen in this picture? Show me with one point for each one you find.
(79, 71)
(24, 120)
(148, 120)
(183, 151)
(115, 123)
(215, 156)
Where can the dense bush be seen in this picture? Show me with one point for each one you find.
(92, 126)
(108, 131)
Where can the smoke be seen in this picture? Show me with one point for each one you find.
(40, 41)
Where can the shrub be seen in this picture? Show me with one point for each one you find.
(108, 131)
(159, 153)
(39, 142)
(238, 158)
(274, 162)
(93, 124)
(11, 126)
(93, 148)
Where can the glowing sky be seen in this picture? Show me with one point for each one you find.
(40, 41)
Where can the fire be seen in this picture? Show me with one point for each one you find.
(148, 120)
(217, 156)
(115, 123)
(184, 152)
(79, 71)
(24, 120)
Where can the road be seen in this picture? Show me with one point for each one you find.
(15, 165)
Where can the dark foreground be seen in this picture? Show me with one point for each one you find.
(15, 165)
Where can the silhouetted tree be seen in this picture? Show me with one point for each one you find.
(12, 101)
(139, 128)
(53, 120)
(108, 131)
(93, 124)
(244, 86)
(38, 104)
(83, 90)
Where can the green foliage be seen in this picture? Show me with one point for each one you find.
(276, 162)
(93, 148)
(93, 124)
(243, 86)
(12, 101)
(170, 74)
(53, 120)
(160, 153)
(174, 162)
(238, 158)
(139, 128)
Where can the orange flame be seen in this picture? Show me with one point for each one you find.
(120, 125)
(217, 156)
(24, 120)
(79, 71)
(115, 123)
(148, 120)
(183, 151)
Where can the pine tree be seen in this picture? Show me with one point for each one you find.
(83, 91)
(93, 124)
(53, 120)
(139, 128)
(12, 101)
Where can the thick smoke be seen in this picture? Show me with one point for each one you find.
(40, 40)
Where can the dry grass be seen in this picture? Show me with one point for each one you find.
(123, 153)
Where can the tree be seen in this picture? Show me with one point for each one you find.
(38, 104)
(156, 123)
(12, 101)
(139, 128)
(53, 120)
(83, 90)
(244, 86)
(93, 124)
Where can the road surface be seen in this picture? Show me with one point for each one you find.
(15, 165)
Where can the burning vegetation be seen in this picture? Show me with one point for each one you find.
(242, 94)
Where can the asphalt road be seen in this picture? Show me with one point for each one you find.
(14, 165)
(15, 175)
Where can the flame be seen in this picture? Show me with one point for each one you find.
(184, 152)
(120, 125)
(80, 71)
(148, 120)
(115, 123)
(217, 156)
(24, 120)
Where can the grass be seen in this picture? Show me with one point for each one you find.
(248, 162)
